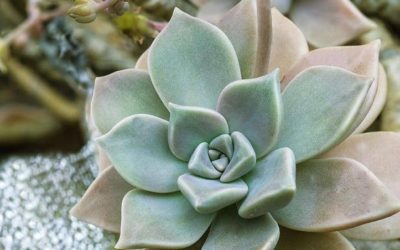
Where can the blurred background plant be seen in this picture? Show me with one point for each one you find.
(48, 63)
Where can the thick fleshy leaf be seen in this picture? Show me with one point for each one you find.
(334, 194)
(250, 19)
(229, 231)
(160, 221)
(363, 60)
(379, 152)
(190, 126)
(243, 159)
(191, 61)
(223, 144)
(209, 196)
(320, 106)
(101, 203)
(272, 184)
(138, 149)
(254, 107)
(142, 62)
(377, 104)
(329, 22)
(200, 163)
(122, 94)
(285, 32)
(290, 239)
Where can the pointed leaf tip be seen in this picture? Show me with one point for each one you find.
(179, 74)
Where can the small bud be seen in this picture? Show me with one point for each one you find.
(83, 13)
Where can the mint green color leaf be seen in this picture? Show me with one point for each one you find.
(254, 107)
(243, 159)
(223, 144)
(334, 194)
(138, 149)
(320, 106)
(122, 94)
(209, 196)
(190, 126)
(272, 184)
(229, 231)
(200, 163)
(163, 221)
(191, 61)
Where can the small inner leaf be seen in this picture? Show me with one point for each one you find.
(200, 163)
(208, 196)
(243, 159)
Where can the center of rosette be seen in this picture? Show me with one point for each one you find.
(227, 157)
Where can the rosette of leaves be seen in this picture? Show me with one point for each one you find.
(207, 138)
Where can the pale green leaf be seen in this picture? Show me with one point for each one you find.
(138, 148)
(160, 221)
(272, 184)
(122, 94)
(243, 159)
(191, 61)
(209, 196)
(254, 108)
(229, 231)
(190, 126)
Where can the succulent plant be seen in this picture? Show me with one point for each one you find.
(207, 134)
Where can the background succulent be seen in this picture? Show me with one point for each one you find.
(213, 87)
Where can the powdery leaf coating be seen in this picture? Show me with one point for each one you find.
(320, 106)
(192, 68)
(379, 152)
(122, 94)
(272, 184)
(329, 22)
(166, 221)
(229, 231)
(190, 126)
(209, 196)
(290, 239)
(101, 203)
(138, 149)
(334, 194)
(254, 107)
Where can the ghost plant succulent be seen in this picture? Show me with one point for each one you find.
(207, 137)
